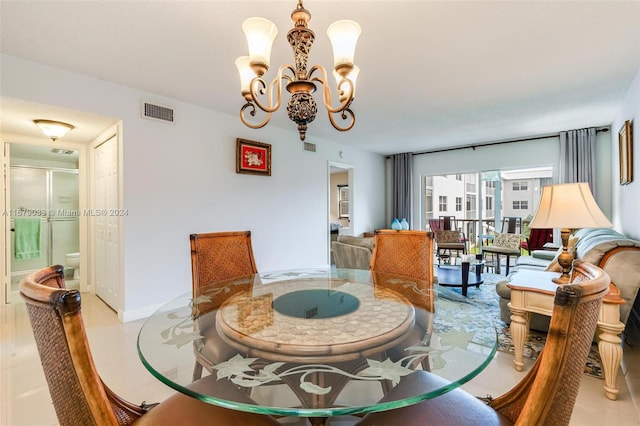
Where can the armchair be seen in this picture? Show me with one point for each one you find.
(503, 245)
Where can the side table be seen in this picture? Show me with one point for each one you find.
(533, 291)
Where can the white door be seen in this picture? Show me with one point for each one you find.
(107, 223)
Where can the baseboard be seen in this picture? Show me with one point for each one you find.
(136, 314)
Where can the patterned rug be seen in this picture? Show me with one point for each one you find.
(485, 304)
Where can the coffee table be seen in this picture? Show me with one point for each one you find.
(460, 275)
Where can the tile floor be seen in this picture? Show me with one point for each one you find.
(24, 397)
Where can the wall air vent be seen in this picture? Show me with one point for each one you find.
(157, 112)
(311, 147)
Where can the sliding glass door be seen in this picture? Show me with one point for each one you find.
(480, 200)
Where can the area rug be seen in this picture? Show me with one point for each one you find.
(484, 305)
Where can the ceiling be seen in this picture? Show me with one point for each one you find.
(434, 74)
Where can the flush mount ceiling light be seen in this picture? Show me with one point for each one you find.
(53, 129)
(62, 151)
(300, 82)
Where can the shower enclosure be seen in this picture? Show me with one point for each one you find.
(52, 195)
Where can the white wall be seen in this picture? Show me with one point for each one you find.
(180, 179)
(627, 198)
(542, 152)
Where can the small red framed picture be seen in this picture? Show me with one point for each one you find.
(253, 157)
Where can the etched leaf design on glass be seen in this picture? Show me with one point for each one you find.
(386, 369)
(233, 367)
(315, 389)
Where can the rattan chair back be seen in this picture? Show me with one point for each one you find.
(407, 253)
(78, 394)
(545, 396)
(219, 256)
(552, 384)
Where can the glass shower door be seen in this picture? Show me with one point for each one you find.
(29, 199)
(64, 214)
(52, 195)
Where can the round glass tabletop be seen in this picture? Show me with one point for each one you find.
(315, 343)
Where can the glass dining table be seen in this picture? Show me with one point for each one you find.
(315, 343)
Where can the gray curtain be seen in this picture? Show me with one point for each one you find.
(401, 193)
(578, 157)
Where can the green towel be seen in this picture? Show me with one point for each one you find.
(27, 237)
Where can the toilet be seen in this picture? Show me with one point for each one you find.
(73, 261)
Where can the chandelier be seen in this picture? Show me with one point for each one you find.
(299, 81)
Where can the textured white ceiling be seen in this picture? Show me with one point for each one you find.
(433, 73)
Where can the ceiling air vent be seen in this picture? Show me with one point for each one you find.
(311, 147)
(157, 112)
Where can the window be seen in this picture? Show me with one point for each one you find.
(458, 177)
(520, 205)
(488, 203)
(428, 203)
(343, 201)
(520, 186)
(458, 204)
(442, 203)
(471, 203)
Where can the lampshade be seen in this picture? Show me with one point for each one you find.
(53, 129)
(260, 33)
(569, 205)
(246, 73)
(344, 36)
(353, 76)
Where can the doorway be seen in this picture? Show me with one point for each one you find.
(340, 196)
(42, 212)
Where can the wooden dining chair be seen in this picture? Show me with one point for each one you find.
(408, 254)
(545, 396)
(78, 393)
(217, 257)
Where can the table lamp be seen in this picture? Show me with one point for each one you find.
(568, 206)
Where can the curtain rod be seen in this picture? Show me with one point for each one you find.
(474, 146)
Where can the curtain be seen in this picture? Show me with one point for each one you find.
(401, 193)
(578, 157)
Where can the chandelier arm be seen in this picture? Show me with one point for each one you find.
(344, 114)
(345, 102)
(258, 87)
(252, 112)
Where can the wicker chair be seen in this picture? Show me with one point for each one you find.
(79, 395)
(409, 254)
(546, 395)
(215, 258)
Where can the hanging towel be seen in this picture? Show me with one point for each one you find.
(27, 237)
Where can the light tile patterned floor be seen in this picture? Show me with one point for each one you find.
(25, 400)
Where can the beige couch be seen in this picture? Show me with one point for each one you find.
(618, 255)
(352, 252)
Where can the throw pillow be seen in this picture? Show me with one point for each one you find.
(448, 236)
(507, 240)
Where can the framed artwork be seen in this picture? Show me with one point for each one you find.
(253, 157)
(625, 146)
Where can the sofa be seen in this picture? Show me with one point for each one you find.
(352, 252)
(618, 255)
